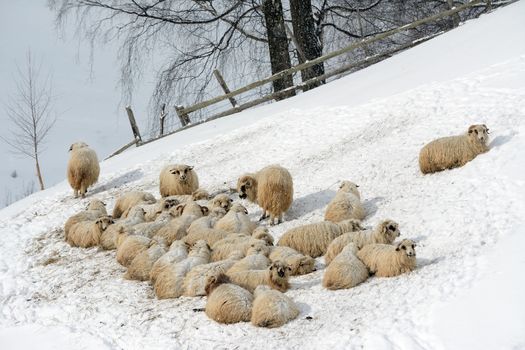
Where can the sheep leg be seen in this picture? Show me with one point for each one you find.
(264, 215)
(76, 193)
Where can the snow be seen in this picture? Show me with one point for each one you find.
(368, 128)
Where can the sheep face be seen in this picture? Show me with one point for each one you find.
(169, 203)
(200, 246)
(137, 212)
(77, 145)
(390, 230)
(181, 172)
(247, 187)
(179, 210)
(407, 246)
(350, 187)
(258, 248)
(279, 270)
(222, 201)
(104, 222)
(479, 133)
(96, 204)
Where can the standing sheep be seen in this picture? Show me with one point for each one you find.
(314, 239)
(176, 179)
(82, 168)
(271, 188)
(346, 270)
(299, 263)
(385, 260)
(170, 281)
(178, 251)
(227, 302)
(236, 221)
(346, 204)
(275, 276)
(385, 233)
(272, 308)
(128, 200)
(87, 233)
(454, 151)
(95, 210)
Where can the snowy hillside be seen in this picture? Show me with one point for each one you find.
(467, 291)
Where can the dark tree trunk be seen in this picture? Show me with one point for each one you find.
(305, 33)
(277, 43)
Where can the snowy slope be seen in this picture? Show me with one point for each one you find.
(368, 128)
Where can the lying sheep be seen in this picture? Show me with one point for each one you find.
(170, 281)
(254, 260)
(314, 239)
(195, 281)
(176, 179)
(299, 263)
(197, 195)
(271, 188)
(177, 228)
(272, 308)
(227, 302)
(108, 238)
(152, 211)
(275, 276)
(454, 151)
(130, 246)
(95, 210)
(203, 228)
(385, 233)
(141, 265)
(346, 270)
(82, 168)
(262, 233)
(242, 243)
(346, 204)
(129, 199)
(221, 200)
(178, 251)
(236, 221)
(87, 233)
(150, 229)
(386, 260)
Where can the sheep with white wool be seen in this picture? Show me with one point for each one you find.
(197, 195)
(87, 233)
(276, 276)
(178, 251)
(152, 211)
(271, 188)
(140, 267)
(203, 228)
(314, 239)
(82, 168)
(386, 260)
(272, 308)
(195, 281)
(454, 151)
(227, 302)
(108, 238)
(177, 179)
(130, 199)
(129, 246)
(170, 281)
(222, 200)
(236, 221)
(150, 229)
(241, 243)
(262, 233)
(385, 233)
(346, 270)
(95, 210)
(177, 228)
(299, 263)
(346, 204)
(254, 260)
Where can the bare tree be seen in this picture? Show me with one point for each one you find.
(30, 111)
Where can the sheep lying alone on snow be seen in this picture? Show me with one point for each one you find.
(275, 276)
(386, 260)
(454, 151)
(271, 188)
(313, 239)
(385, 233)
(82, 168)
(176, 179)
(346, 270)
(227, 302)
(87, 233)
(95, 210)
(346, 204)
(272, 308)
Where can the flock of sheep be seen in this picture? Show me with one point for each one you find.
(188, 244)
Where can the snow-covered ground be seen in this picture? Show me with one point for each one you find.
(468, 289)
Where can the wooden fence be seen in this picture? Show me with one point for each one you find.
(184, 112)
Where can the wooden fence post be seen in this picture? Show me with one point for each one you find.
(222, 83)
(134, 127)
(183, 116)
(163, 115)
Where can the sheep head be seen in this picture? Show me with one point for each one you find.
(350, 187)
(181, 172)
(214, 281)
(222, 201)
(104, 222)
(77, 145)
(389, 230)
(478, 133)
(247, 187)
(407, 247)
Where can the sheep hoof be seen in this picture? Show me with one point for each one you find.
(263, 217)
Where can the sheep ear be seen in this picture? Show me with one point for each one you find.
(180, 208)
(397, 248)
(231, 200)
(341, 185)
(71, 148)
(190, 167)
(471, 129)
